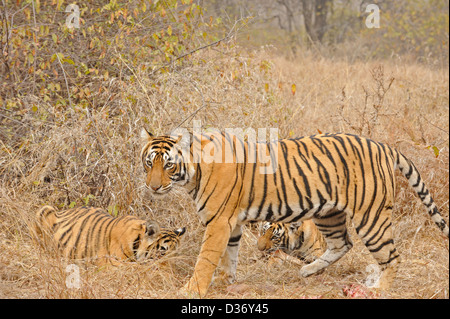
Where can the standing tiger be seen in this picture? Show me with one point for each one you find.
(321, 177)
(91, 233)
(303, 241)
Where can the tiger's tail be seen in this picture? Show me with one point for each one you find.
(408, 170)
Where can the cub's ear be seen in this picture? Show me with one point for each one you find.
(152, 228)
(146, 135)
(138, 225)
(295, 227)
(180, 231)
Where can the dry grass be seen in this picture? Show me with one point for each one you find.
(76, 155)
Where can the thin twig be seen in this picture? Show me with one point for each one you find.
(196, 111)
(36, 51)
(439, 128)
(65, 79)
(228, 36)
(189, 53)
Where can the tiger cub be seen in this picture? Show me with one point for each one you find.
(167, 241)
(91, 233)
(303, 241)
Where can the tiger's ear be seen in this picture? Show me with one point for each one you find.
(180, 231)
(182, 139)
(146, 136)
(138, 225)
(152, 228)
(295, 227)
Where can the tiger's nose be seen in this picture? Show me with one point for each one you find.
(155, 188)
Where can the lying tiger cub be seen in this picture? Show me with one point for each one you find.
(303, 241)
(91, 233)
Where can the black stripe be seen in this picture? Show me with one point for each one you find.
(235, 239)
(92, 231)
(252, 188)
(379, 228)
(374, 250)
(418, 182)
(83, 230)
(301, 155)
(269, 215)
(289, 210)
(323, 175)
(367, 213)
(410, 171)
(304, 177)
(284, 149)
(263, 199)
(206, 200)
(358, 157)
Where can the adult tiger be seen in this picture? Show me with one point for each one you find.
(303, 241)
(93, 234)
(321, 177)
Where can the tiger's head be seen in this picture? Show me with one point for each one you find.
(274, 236)
(302, 240)
(166, 241)
(165, 167)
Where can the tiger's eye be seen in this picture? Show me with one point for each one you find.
(169, 165)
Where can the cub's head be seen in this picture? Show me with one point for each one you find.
(163, 162)
(280, 236)
(273, 236)
(165, 241)
(301, 239)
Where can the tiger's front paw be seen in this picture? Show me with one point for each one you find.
(187, 293)
(192, 290)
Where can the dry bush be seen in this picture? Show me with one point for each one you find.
(91, 156)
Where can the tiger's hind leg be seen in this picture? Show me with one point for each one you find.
(334, 229)
(377, 236)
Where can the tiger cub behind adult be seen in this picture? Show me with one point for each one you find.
(303, 241)
(92, 234)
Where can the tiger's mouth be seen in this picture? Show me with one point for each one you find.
(273, 249)
(271, 252)
(161, 191)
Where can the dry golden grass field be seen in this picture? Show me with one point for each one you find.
(65, 157)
